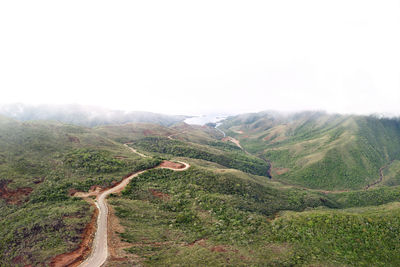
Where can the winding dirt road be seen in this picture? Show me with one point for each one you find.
(135, 151)
(99, 252)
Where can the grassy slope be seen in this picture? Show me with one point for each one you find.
(358, 236)
(214, 215)
(228, 209)
(51, 159)
(229, 217)
(224, 154)
(181, 131)
(129, 132)
(318, 150)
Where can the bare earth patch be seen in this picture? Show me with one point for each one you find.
(13, 196)
(116, 245)
(73, 139)
(280, 171)
(93, 191)
(170, 164)
(75, 257)
(158, 194)
(233, 140)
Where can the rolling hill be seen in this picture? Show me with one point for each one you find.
(223, 210)
(319, 150)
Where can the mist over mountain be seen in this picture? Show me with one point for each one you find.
(261, 189)
(84, 115)
(321, 150)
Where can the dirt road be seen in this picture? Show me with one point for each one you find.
(100, 247)
(135, 151)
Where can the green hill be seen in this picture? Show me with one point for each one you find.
(319, 150)
(224, 210)
(40, 162)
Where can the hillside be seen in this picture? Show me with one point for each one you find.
(223, 210)
(319, 150)
(40, 163)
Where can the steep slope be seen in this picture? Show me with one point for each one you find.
(40, 164)
(215, 213)
(319, 150)
(130, 132)
(227, 217)
(226, 155)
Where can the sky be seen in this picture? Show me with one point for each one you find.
(198, 57)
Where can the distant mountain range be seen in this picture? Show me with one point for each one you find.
(300, 189)
(84, 115)
(320, 150)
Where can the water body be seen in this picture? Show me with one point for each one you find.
(204, 119)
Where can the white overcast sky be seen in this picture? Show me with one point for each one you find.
(203, 56)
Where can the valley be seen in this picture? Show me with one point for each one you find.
(275, 191)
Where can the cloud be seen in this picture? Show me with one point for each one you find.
(196, 57)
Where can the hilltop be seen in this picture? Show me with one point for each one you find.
(280, 200)
(320, 150)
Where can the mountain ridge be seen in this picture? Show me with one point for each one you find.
(317, 149)
(85, 115)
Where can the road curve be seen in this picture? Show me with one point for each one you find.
(100, 247)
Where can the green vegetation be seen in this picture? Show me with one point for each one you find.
(245, 193)
(363, 198)
(223, 210)
(232, 159)
(362, 237)
(318, 150)
(49, 160)
(391, 173)
(157, 237)
(35, 232)
(93, 161)
(228, 210)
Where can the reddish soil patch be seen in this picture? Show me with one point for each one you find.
(120, 157)
(218, 249)
(75, 257)
(380, 176)
(267, 138)
(159, 194)
(280, 171)
(74, 139)
(200, 242)
(169, 164)
(18, 260)
(116, 245)
(72, 192)
(233, 140)
(12, 196)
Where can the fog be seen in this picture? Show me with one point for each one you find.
(187, 57)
